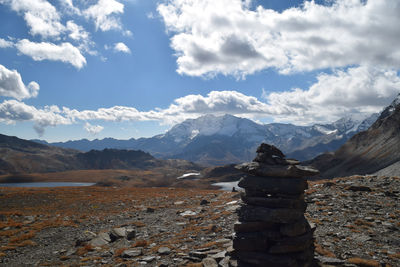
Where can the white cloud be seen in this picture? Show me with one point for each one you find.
(41, 17)
(93, 129)
(76, 32)
(226, 37)
(5, 44)
(11, 85)
(104, 14)
(12, 111)
(121, 47)
(64, 52)
(358, 91)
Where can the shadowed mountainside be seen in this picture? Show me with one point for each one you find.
(22, 156)
(368, 152)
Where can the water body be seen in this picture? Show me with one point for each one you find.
(227, 186)
(44, 184)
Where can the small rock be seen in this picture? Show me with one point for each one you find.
(117, 233)
(198, 254)
(130, 253)
(204, 202)
(130, 234)
(150, 210)
(149, 258)
(188, 213)
(219, 256)
(164, 250)
(209, 262)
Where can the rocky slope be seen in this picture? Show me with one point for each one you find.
(356, 218)
(367, 152)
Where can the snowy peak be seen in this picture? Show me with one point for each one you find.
(389, 110)
(208, 125)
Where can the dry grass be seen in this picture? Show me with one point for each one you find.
(83, 250)
(395, 256)
(363, 262)
(140, 243)
(22, 237)
(323, 252)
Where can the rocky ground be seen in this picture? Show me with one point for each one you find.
(357, 219)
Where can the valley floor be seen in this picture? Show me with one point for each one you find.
(357, 218)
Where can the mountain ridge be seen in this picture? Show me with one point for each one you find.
(238, 137)
(376, 150)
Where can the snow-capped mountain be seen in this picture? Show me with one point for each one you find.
(218, 140)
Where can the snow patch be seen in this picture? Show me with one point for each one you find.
(188, 175)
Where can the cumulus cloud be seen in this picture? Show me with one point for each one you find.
(93, 129)
(5, 44)
(12, 111)
(11, 85)
(358, 90)
(65, 52)
(121, 47)
(104, 14)
(41, 17)
(227, 37)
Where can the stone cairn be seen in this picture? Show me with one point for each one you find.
(272, 230)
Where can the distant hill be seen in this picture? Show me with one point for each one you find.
(376, 150)
(23, 156)
(218, 140)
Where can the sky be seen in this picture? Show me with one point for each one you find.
(73, 69)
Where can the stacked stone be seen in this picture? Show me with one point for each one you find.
(272, 229)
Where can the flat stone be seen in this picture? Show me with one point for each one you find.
(292, 244)
(105, 236)
(330, 261)
(273, 202)
(246, 227)
(164, 250)
(130, 253)
(209, 262)
(98, 242)
(188, 213)
(219, 255)
(284, 171)
(149, 258)
(253, 213)
(263, 194)
(294, 186)
(295, 229)
(263, 259)
(250, 242)
(118, 233)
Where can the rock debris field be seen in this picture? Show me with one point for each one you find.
(356, 218)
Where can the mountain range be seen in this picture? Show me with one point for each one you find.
(374, 151)
(218, 140)
(23, 156)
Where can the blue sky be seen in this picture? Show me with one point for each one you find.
(72, 69)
